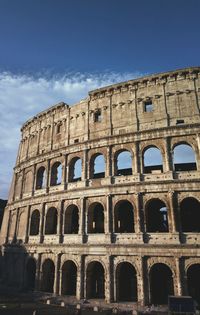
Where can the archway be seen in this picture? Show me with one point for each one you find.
(56, 174)
(95, 281)
(35, 223)
(71, 220)
(51, 221)
(75, 170)
(156, 216)
(97, 166)
(41, 178)
(96, 218)
(124, 217)
(190, 215)
(193, 282)
(184, 158)
(152, 160)
(123, 163)
(30, 273)
(69, 278)
(48, 274)
(161, 284)
(126, 281)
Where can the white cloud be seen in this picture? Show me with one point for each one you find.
(23, 96)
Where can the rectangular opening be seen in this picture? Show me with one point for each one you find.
(179, 121)
(76, 140)
(148, 106)
(97, 116)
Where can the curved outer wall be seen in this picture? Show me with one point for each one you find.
(122, 122)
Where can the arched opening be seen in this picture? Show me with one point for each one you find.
(48, 275)
(124, 217)
(56, 174)
(156, 216)
(97, 166)
(96, 218)
(71, 220)
(193, 276)
(190, 215)
(126, 281)
(123, 162)
(41, 178)
(152, 160)
(95, 281)
(30, 273)
(35, 223)
(69, 278)
(161, 284)
(75, 170)
(51, 221)
(184, 158)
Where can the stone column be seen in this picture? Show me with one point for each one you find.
(42, 223)
(140, 281)
(85, 166)
(28, 225)
(177, 280)
(38, 273)
(136, 162)
(57, 274)
(137, 213)
(34, 179)
(171, 213)
(48, 176)
(108, 281)
(108, 215)
(60, 222)
(168, 156)
(109, 162)
(22, 183)
(82, 218)
(65, 173)
(28, 141)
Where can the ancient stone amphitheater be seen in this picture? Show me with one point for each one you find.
(104, 202)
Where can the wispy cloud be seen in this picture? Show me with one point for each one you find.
(22, 96)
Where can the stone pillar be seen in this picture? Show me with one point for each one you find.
(60, 281)
(85, 166)
(65, 173)
(42, 223)
(136, 161)
(168, 156)
(82, 218)
(140, 282)
(48, 176)
(60, 222)
(52, 131)
(108, 281)
(22, 183)
(57, 274)
(16, 225)
(108, 162)
(177, 279)
(28, 141)
(137, 213)
(38, 273)
(108, 211)
(28, 225)
(171, 213)
(34, 179)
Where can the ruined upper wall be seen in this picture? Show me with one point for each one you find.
(116, 109)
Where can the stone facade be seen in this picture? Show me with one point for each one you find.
(110, 232)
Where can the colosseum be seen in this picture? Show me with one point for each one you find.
(104, 201)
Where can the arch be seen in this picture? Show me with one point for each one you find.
(190, 215)
(123, 163)
(69, 278)
(97, 166)
(126, 282)
(35, 222)
(124, 217)
(95, 281)
(56, 174)
(152, 160)
(156, 216)
(75, 169)
(184, 158)
(30, 273)
(41, 178)
(71, 225)
(193, 283)
(96, 218)
(161, 283)
(51, 221)
(48, 275)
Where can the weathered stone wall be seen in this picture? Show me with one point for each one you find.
(110, 120)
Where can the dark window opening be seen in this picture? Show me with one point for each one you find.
(69, 278)
(95, 283)
(56, 174)
(58, 129)
(126, 282)
(71, 220)
(35, 223)
(161, 284)
(156, 216)
(152, 161)
(96, 218)
(193, 276)
(190, 215)
(48, 274)
(41, 178)
(124, 217)
(76, 140)
(75, 170)
(180, 121)
(184, 158)
(51, 221)
(124, 164)
(97, 116)
(148, 106)
(97, 166)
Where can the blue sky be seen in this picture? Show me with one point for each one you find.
(53, 51)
